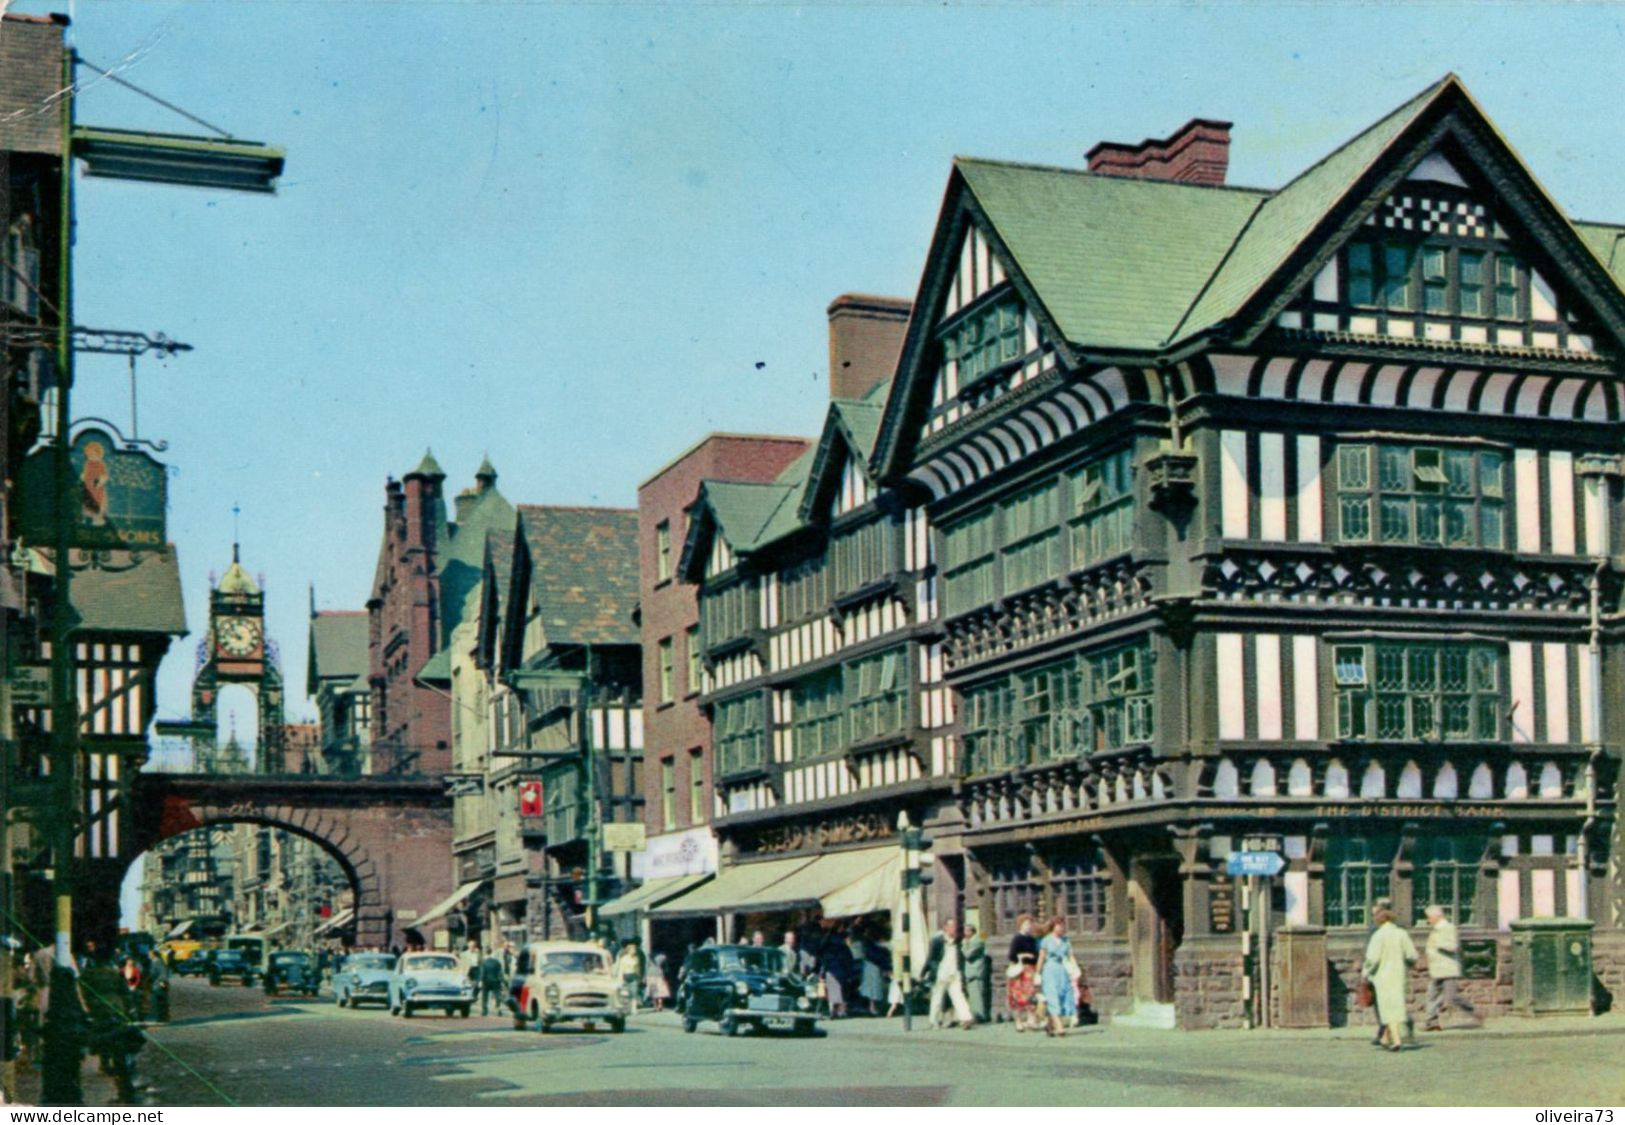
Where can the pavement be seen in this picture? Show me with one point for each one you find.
(234, 1046)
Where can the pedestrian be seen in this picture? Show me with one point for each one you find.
(977, 984)
(491, 981)
(1021, 976)
(1444, 969)
(469, 961)
(945, 968)
(1055, 979)
(156, 983)
(837, 968)
(659, 988)
(629, 967)
(871, 974)
(796, 959)
(758, 938)
(1388, 957)
(507, 959)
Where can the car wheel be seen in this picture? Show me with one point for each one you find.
(465, 1010)
(690, 1024)
(729, 1026)
(341, 1000)
(617, 1026)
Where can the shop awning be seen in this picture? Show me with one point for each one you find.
(733, 886)
(450, 903)
(179, 929)
(336, 921)
(842, 884)
(652, 893)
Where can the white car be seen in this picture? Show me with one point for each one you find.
(571, 982)
(430, 980)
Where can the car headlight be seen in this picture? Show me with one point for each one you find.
(411, 984)
(552, 994)
(742, 988)
(804, 1003)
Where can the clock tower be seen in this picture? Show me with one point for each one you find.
(235, 650)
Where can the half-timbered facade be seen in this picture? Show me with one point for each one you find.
(1202, 514)
(1282, 514)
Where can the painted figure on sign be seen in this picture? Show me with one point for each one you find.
(93, 484)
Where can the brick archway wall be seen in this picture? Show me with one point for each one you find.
(392, 837)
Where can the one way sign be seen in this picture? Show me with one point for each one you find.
(1256, 863)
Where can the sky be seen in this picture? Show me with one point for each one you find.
(577, 237)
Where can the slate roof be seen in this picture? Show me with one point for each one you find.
(437, 670)
(462, 554)
(144, 599)
(338, 646)
(584, 572)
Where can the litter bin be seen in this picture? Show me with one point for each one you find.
(1551, 966)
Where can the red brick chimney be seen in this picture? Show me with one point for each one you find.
(1196, 153)
(865, 339)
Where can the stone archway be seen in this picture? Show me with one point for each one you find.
(391, 836)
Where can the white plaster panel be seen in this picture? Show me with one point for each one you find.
(1309, 489)
(1526, 478)
(1233, 495)
(1267, 662)
(1232, 698)
(1556, 661)
(1521, 666)
(1272, 487)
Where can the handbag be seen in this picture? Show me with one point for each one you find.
(1013, 971)
(1365, 997)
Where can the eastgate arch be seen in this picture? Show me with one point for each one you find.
(391, 835)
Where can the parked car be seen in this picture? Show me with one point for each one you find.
(292, 970)
(230, 964)
(742, 986)
(429, 980)
(363, 978)
(185, 958)
(571, 982)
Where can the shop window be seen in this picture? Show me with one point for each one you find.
(1445, 873)
(1015, 892)
(1359, 871)
(1080, 884)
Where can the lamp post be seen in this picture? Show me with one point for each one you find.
(117, 154)
(910, 838)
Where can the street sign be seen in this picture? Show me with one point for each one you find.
(31, 685)
(1256, 863)
(624, 837)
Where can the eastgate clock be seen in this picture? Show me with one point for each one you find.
(238, 636)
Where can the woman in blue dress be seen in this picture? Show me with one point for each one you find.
(1055, 978)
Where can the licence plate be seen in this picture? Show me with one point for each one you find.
(779, 1023)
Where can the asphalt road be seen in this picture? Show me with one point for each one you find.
(232, 1045)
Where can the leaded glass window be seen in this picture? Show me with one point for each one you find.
(967, 562)
(1397, 691)
(1433, 495)
(818, 716)
(1445, 873)
(1032, 551)
(1102, 509)
(985, 340)
(1359, 871)
(740, 739)
(877, 694)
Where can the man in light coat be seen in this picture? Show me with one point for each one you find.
(1388, 957)
(946, 969)
(1444, 969)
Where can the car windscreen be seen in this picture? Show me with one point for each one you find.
(429, 964)
(553, 963)
(379, 961)
(753, 960)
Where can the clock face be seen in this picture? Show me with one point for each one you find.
(238, 636)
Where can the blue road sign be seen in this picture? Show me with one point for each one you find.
(1256, 863)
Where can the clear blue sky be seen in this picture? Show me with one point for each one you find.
(568, 234)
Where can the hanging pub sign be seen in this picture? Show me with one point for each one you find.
(119, 493)
(530, 798)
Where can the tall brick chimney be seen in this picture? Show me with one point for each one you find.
(865, 339)
(1196, 153)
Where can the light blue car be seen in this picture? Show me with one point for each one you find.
(363, 978)
(429, 980)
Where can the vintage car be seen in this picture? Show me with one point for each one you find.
(745, 986)
(185, 958)
(230, 964)
(292, 970)
(429, 980)
(570, 982)
(363, 978)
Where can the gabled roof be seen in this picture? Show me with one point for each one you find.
(850, 428)
(462, 555)
(437, 669)
(146, 598)
(583, 570)
(338, 647)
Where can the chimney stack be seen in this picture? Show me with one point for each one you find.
(1196, 153)
(865, 339)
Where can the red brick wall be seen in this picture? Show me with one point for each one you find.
(865, 339)
(669, 608)
(408, 718)
(30, 72)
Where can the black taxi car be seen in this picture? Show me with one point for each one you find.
(230, 964)
(292, 970)
(745, 986)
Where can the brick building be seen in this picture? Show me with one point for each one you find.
(1205, 514)
(677, 737)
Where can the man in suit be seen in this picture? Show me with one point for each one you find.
(945, 969)
(1444, 969)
